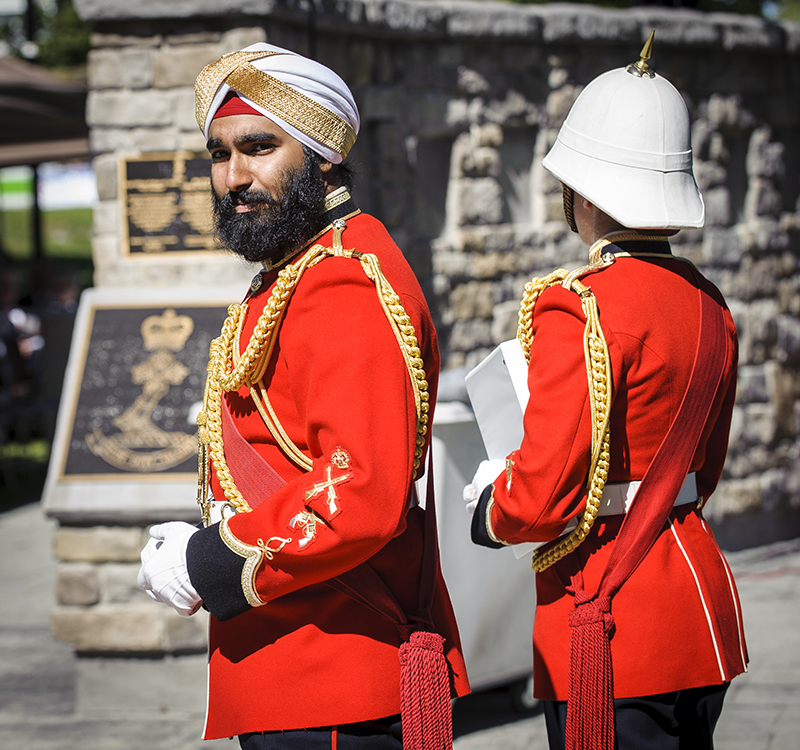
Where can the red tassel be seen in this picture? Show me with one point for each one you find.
(425, 693)
(590, 707)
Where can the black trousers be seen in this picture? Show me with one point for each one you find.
(683, 720)
(383, 734)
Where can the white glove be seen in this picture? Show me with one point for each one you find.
(487, 472)
(164, 575)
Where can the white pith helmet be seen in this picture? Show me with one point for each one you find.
(626, 147)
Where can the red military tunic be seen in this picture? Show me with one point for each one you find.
(677, 618)
(312, 656)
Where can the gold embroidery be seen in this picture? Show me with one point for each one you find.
(340, 458)
(253, 556)
(273, 95)
(307, 522)
(328, 487)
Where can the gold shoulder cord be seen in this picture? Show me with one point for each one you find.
(227, 371)
(598, 371)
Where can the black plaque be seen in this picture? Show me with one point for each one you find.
(166, 204)
(142, 375)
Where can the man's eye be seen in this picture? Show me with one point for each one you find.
(218, 155)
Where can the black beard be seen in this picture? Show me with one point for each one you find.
(274, 227)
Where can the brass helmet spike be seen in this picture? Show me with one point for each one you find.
(641, 68)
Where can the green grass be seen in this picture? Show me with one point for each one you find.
(67, 233)
(66, 239)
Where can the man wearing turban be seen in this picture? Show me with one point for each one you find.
(329, 613)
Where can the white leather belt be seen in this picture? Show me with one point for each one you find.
(617, 498)
(220, 509)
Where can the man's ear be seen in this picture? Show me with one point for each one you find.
(325, 166)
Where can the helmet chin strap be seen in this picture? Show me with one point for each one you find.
(568, 195)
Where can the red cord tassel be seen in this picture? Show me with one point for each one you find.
(425, 693)
(590, 708)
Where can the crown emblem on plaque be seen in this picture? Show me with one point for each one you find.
(166, 331)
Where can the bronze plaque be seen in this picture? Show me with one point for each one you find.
(166, 204)
(139, 386)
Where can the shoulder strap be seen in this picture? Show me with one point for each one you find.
(590, 715)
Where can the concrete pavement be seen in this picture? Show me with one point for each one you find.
(41, 707)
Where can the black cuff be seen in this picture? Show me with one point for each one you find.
(480, 535)
(216, 573)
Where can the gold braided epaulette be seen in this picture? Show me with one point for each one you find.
(229, 371)
(598, 372)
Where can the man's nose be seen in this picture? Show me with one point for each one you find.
(238, 176)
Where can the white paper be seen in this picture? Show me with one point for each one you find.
(498, 391)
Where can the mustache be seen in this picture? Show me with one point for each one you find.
(234, 198)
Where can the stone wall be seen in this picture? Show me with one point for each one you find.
(459, 103)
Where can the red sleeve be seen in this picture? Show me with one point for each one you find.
(357, 410)
(548, 477)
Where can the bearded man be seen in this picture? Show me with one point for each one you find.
(315, 560)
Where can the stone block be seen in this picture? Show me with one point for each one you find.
(101, 39)
(106, 169)
(505, 319)
(105, 253)
(760, 424)
(737, 496)
(720, 246)
(468, 335)
(788, 344)
(241, 37)
(471, 300)
(118, 583)
(500, 22)
(718, 207)
(186, 634)
(492, 265)
(471, 81)
(751, 33)
(765, 158)
(77, 584)
(192, 140)
(98, 544)
(155, 140)
(104, 628)
(106, 218)
(176, 66)
(130, 68)
(479, 201)
(105, 140)
(751, 386)
(150, 107)
(709, 174)
(560, 101)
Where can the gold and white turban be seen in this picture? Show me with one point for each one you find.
(306, 99)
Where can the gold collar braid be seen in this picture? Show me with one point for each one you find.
(598, 371)
(273, 95)
(228, 371)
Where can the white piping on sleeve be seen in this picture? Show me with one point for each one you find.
(702, 600)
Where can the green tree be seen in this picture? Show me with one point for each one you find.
(65, 38)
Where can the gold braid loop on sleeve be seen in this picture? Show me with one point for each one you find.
(598, 373)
